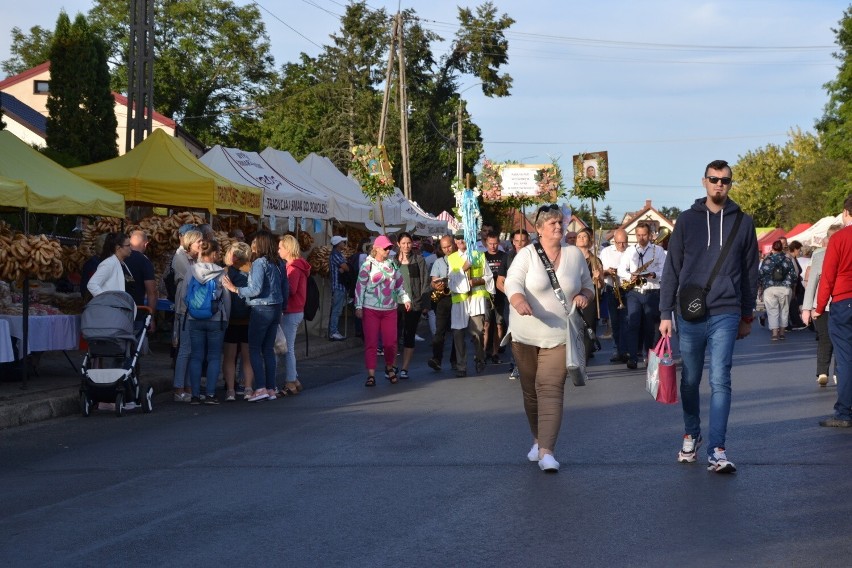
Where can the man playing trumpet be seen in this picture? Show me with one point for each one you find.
(642, 266)
(611, 258)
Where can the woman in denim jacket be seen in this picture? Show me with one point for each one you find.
(264, 295)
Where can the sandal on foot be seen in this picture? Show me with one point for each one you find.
(290, 389)
(390, 374)
(371, 382)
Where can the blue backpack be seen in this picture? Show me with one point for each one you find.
(201, 300)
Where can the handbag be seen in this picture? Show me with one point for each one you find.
(575, 351)
(692, 298)
(280, 342)
(661, 379)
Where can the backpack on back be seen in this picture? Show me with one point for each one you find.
(312, 300)
(201, 300)
(779, 272)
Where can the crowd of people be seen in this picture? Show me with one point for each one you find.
(231, 305)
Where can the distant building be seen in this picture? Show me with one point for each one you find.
(24, 100)
(648, 214)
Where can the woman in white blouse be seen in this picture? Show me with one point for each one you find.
(112, 275)
(538, 324)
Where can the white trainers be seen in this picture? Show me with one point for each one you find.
(690, 446)
(336, 337)
(719, 462)
(822, 380)
(258, 395)
(548, 463)
(418, 338)
(532, 455)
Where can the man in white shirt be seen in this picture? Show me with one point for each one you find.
(642, 264)
(443, 306)
(610, 259)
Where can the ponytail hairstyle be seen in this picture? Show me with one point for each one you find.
(266, 245)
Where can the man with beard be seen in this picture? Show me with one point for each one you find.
(694, 248)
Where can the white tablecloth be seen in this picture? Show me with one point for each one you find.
(6, 353)
(47, 333)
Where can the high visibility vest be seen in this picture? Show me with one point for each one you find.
(456, 261)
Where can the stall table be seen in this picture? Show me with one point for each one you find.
(6, 353)
(46, 333)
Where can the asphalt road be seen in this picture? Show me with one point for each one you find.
(433, 472)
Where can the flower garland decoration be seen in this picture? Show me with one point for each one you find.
(589, 188)
(548, 179)
(371, 168)
(489, 181)
(551, 185)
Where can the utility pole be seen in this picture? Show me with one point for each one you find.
(140, 75)
(460, 142)
(403, 113)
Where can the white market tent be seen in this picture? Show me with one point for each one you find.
(343, 208)
(417, 220)
(281, 197)
(323, 170)
(815, 234)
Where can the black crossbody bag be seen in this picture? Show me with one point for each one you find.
(692, 298)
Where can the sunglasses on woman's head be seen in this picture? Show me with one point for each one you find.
(545, 209)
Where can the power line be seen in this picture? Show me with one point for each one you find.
(300, 34)
(658, 141)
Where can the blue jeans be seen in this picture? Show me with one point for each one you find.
(207, 337)
(643, 320)
(263, 325)
(338, 301)
(840, 330)
(618, 320)
(718, 333)
(290, 325)
(182, 378)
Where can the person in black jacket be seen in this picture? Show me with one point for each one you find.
(415, 277)
(695, 246)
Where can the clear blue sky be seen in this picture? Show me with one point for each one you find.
(663, 86)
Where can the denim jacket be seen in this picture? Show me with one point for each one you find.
(264, 284)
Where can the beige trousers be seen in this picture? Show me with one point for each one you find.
(542, 374)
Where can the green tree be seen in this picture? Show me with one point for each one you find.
(835, 126)
(212, 59)
(28, 50)
(671, 213)
(608, 220)
(81, 117)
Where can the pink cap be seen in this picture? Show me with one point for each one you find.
(382, 242)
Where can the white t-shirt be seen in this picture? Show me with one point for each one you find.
(546, 328)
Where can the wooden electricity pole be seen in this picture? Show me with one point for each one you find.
(140, 75)
(397, 37)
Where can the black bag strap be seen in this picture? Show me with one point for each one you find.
(725, 249)
(551, 274)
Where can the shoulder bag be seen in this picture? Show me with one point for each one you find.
(692, 298)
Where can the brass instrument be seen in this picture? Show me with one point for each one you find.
(438, 294)
(616, 289)
(626, 286)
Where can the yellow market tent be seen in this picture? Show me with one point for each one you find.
(161, 171)
(33, 181)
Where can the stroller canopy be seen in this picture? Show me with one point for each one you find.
(109, 315)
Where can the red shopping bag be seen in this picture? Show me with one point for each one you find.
(661, 382)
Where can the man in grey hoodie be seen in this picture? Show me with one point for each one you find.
(695, 246)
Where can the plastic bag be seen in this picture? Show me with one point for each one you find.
(280, 342)
(575, 350)
(661, 374)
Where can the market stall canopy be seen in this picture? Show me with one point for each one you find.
(814, 236)
(342, 208)
(323, 170)
(280, 198)
(796, 230)
(417, 221)
(161, 171)
(764, 243)
(33, 181)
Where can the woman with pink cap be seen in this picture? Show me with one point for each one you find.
(377, 293)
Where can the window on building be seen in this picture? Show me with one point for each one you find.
(41, 87)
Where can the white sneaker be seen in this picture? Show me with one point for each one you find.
(129, 406)
(719, 462)
(336, 337)
(533, 453)
(418, 338)
(259, 394)
(688, 449)
(548, 463)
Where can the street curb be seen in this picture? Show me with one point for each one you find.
(65, 401)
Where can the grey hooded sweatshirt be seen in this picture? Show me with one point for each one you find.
(694, 248)
(204, 272)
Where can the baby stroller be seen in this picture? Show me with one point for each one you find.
(109, 326)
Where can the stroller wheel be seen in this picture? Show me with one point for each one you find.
(85, 404)
(119, 404)
(147, 397)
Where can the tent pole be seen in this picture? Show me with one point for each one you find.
(25, 316)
